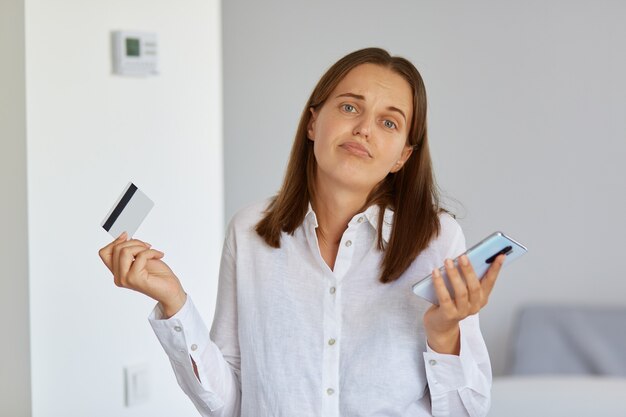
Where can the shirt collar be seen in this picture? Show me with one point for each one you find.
(371, 214)
(310, 216)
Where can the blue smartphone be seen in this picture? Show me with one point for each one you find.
(481, 256)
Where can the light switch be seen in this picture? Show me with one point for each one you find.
(137, 384)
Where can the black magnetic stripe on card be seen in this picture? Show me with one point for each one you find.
(120, 207)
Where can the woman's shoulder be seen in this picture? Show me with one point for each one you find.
(450, 238)
(247, 217)
(241, 231)
(450, 227)
(448, 243)
(250, 214)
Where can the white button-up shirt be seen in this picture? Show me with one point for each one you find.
(293, 338)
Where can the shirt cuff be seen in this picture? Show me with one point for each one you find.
(447, 373)
(181, 335)
(444, 372)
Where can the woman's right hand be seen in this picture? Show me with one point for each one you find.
(138, 267)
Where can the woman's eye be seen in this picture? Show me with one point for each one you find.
(349, 108)
(389, 124)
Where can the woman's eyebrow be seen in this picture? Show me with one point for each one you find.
(362, 98)
(355, 96)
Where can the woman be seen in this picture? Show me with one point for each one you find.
(315, 314)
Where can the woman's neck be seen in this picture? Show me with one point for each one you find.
(334, 208)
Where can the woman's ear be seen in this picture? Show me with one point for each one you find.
(311, 125)
(406, 153)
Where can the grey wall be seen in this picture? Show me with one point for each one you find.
(14, 306)
(526, 115)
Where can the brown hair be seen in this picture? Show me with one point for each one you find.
(411, 192)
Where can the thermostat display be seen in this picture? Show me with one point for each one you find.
(135, 53)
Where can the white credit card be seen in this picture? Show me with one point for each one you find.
(128, 212)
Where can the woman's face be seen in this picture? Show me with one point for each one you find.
(360, 132)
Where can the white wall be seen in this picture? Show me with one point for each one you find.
(89, 133)
(527, 103)
(15, 346)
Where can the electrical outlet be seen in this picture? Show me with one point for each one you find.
(137, 384)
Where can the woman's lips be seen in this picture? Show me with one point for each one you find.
(356, 149)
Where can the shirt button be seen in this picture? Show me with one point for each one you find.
(348, 243)
(432, 362)
(330, 391)
(194, 347)
(331, 341)
(178, 328)
(332, 290)
(360, 220)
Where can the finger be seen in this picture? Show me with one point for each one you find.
(491, 276)
(458, 285)
(443, 295)
(473, 284)
(123, 261)
(141, 259)
(107, 252)
(128, 242)
(117, 247)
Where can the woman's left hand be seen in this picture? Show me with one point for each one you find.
(470, 295)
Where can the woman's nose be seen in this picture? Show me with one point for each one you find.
(363, 126)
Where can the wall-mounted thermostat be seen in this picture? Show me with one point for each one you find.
(135, 53)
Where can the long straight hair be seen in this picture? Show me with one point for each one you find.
(410, 192)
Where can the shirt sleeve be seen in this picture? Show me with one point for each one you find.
(460, 385)
(185, 337)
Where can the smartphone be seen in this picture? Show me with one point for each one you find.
(481, 257)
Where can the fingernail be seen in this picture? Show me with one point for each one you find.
(147, 244)
(121, 234)
(448, 262)
(464, 260)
